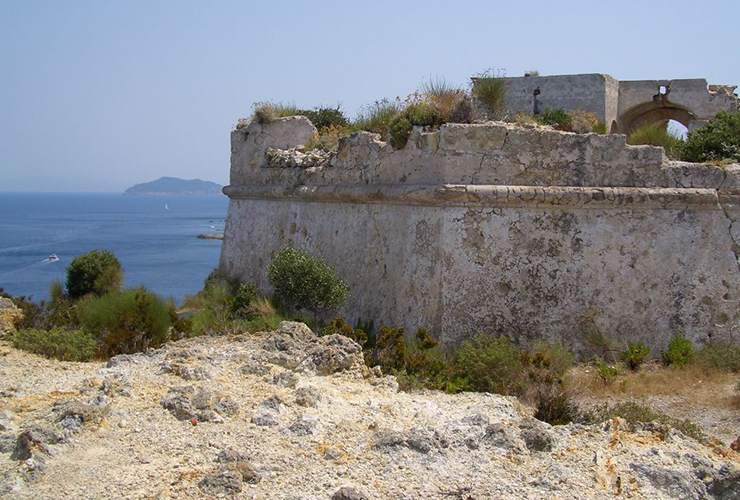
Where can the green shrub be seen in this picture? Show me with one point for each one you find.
(182, 327)
(226, 306)
(719, 357)
(490, 364)
(635, 355)
(377, 117)
(421, 113)
(400, 130)
(96, 272)
(126, 322)
(215, 305)
(491, 92)
(657, 134)
(606, 372)
(244, 297)
(600, 128)
(301, 281)
(557, 118)
(416, 362)
(718, 139)
(257, 323)
(424, 114)
(337, 326)
(324, 117)
(680, 352)
(60, 310)
(634, 413)
(423, 358)
(57, 343)
(551, 359)
(390, 351)
(424, 340)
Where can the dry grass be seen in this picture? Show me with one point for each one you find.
(693, 384)
(261, 306)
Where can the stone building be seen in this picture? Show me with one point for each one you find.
(622, 105)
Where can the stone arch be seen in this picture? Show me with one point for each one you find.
(659, 110)
(614, 129)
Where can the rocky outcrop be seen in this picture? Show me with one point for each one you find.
(129, 428)
(296, 347)
(208, 236)
(10, 316)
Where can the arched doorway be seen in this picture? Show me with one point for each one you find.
(657, 111)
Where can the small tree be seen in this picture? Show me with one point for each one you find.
(304, 282)
(96, 272)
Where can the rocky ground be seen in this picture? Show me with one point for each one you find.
(287, 415)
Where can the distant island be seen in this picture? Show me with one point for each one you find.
(174, 186)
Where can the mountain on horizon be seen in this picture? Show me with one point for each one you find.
(165, 186)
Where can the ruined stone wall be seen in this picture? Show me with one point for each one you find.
(570, 92)
(622, 105)
(690, 101)
(498, 229)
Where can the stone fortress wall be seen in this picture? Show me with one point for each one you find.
(495, 228)
(622, 105)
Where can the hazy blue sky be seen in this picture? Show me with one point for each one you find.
(99, 95)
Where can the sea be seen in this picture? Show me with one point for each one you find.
(154, 237)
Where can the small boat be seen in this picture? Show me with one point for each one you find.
(166, 206)
(53, 258)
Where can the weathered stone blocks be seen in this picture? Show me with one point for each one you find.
(498, 229)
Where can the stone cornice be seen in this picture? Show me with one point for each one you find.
(488, 195)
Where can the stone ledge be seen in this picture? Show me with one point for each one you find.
(487, 195)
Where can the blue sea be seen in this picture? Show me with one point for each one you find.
(154, 237)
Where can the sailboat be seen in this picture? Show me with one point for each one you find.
(166, 206)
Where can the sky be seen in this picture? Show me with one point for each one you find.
(100, 95)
